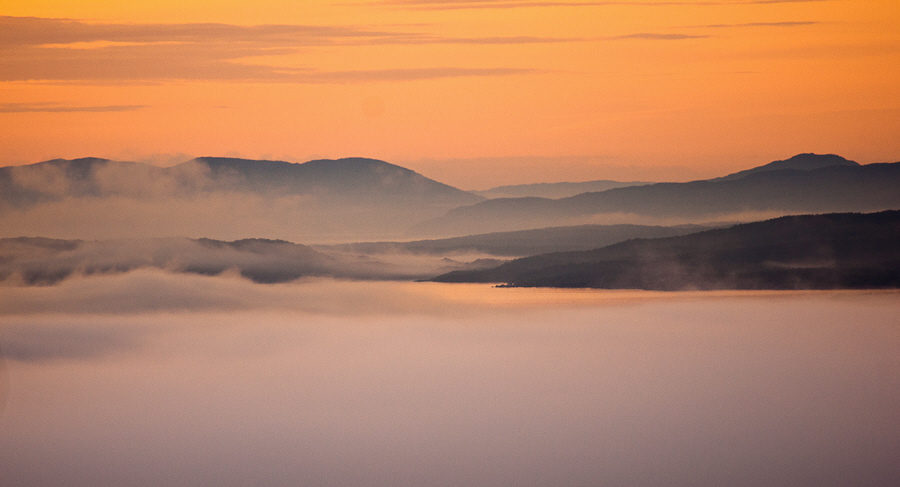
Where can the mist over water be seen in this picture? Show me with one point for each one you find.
(150, 378)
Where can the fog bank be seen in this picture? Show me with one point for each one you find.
(43, 261)
(114, 380)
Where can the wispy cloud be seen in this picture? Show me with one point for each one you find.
(503, 4)
(405, 74)
(478, 40)
(67, 342)
(31, 31)
(761, 24)
(658, 37)
(37, 49)
(208, 66)
(71, 34)
(54, 108)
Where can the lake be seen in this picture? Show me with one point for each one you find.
(149, 378)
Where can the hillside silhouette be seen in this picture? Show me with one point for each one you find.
(225, 198)
(839, 186)
(349, 180)
(358, 179)
(554, 190)
(33, 261)
(800, 162)
(832, 251)
(367, 200)
(522, 242)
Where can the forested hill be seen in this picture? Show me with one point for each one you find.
(832, 251)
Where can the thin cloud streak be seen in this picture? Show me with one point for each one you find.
(503, 4)
(215, 67)
(408, 74)
(34, 49)
(761, 24)
(51, 108)
(478, 40)
(17, 32)
(33, 31)
(657, 37)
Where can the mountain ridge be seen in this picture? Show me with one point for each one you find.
(40, 261)
(801, 162)
(555, 190)
(831, 251)
(331, 200)
(835, 188)
(522, 242)
(224, 198)
(257, 171)
(336, 178)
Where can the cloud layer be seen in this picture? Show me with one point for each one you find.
(41, 261)
(505, 4)
(356, 384)
(70, 50)
(55, 108)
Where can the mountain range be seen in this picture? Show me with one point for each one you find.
(213, 215)
(554, 190)
(520, 243)
(358, 180)
(806, 183)
(831, 251)
(44, 261)
(800, 162)
(223, 198)
(358, 199)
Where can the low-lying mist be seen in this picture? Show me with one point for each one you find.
(42, 261)
(226, 216)
(153, 378)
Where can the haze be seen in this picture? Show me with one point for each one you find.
(152, 378)
(228, 232)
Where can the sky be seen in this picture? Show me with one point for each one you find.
(473, 93)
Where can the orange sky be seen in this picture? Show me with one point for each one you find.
(474, 93)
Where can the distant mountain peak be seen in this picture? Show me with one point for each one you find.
(217, 164)
(225, 159)
(80, 168)
(342, 165)
(362, 180)
(81, 164)
(356, 165)
(361, 161)
(555, 190)
(800, 162)
(808, 161)
(80, 160)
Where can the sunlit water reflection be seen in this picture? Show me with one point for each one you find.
(154, 379)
